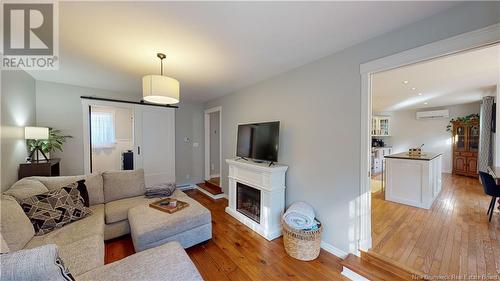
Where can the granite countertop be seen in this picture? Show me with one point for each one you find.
(426, 156)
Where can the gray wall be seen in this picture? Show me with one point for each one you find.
(189, 160)
(214, 143)
(17, 111)
(59, 106)
(318, 105)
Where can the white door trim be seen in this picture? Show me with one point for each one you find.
(86, 125)
(466, 41)
(207, 140)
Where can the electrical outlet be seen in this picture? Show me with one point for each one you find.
(195, 144)
(188, 176)
(212, 166)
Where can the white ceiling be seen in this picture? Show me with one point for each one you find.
(456, 79)
(213, 48)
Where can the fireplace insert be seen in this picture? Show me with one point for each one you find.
(248, 201)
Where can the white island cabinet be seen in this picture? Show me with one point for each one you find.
(413, 180)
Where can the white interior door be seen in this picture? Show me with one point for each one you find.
(155, 143)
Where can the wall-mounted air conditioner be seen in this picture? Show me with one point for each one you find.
(434, 114)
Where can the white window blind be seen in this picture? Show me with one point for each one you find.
(102, 126)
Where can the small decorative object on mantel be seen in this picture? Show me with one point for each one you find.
(169, 205)
(54, 141)
(301, 232)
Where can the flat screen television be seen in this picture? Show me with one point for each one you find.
(259, 141)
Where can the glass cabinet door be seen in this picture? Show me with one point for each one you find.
(460, 137)
(384, 126)
(374, 126)
(473, 137)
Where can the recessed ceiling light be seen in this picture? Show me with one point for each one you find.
(426, 103)
(419, 94)
(413, 88)
(405, 82)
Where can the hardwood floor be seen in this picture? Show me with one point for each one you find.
(117, 249)
(453, 237)
(237, 253)
(210, 188)
(215, 181)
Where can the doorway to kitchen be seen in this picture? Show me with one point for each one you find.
(213, 157)
(432, 124)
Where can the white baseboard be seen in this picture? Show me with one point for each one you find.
(186, 186)
(333, 250)
(215, 197)
(364, 245)
(346, 272)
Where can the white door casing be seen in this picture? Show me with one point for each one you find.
(86, 104)
(154, 139)
(207, 140)
(467, 41)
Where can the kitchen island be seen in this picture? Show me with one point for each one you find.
(413, 180)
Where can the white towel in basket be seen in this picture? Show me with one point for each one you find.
(299, 215)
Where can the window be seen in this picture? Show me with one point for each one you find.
(102, 126)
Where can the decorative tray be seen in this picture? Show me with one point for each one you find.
(163, 205)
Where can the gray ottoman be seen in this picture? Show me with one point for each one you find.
(150, 227)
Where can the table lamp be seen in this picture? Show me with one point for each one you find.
(36, 133)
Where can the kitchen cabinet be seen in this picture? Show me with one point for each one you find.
(381, 126)
(465, 147)
(378, 154)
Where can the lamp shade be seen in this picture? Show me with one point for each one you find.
(36, 133)
(160, 89)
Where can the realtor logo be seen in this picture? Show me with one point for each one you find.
(29, 36)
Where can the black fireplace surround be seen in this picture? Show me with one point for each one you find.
(248, 201)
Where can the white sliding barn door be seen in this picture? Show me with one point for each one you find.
(155, 143)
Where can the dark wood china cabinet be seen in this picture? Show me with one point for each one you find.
(465, 147)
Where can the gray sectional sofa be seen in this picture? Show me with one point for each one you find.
(159, 238)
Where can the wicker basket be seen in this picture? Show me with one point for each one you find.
(300, 244)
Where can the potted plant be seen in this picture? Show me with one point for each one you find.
(53, 143)
(466, 120)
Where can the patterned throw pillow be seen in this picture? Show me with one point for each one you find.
(54, 209)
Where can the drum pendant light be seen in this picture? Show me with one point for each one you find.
(160, 89)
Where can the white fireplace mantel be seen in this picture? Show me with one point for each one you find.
(270, 180)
